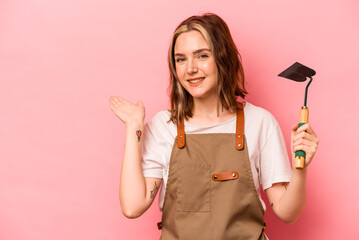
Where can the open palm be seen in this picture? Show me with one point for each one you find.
(126, 111)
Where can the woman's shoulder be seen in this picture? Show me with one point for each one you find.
(259, 115)
(159, 124)
(260, 127)
(160, 118)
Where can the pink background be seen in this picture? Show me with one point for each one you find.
(61, 146)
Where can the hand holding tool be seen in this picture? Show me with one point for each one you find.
(299, 73)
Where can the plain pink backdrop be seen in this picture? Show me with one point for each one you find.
(61, 146)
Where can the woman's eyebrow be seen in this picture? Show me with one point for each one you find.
(195, 52)
(201, 50)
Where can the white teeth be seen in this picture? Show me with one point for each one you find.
(196, 80)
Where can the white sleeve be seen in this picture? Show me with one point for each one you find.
(152, 165)
(274, 162)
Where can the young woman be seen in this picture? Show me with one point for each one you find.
(211, 152)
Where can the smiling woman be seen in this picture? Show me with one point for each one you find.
(195, 65)
(211, 151)
(210, 36)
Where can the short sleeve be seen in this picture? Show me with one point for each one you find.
(152, 165)
(274, 161)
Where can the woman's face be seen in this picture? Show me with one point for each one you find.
(195, 65)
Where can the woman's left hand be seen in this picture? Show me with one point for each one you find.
(304, 138)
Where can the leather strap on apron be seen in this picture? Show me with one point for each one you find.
(210, 193)
(181, 140)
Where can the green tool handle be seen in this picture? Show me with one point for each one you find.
(300, 155)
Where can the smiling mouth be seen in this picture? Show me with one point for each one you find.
(197, 80)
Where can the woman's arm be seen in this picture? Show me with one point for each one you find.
(136, 191)
(288, 199)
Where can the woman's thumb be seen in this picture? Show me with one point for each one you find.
(140, 103)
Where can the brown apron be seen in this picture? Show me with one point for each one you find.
(210, 193)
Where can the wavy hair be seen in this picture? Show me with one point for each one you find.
(230, 71)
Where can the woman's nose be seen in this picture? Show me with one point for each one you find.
(192, 67)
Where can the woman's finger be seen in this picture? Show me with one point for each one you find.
(295, 127)
(113, 101)
(304, 135)
(304, 142)
(140, 104)
(306, 128)
(309, 150)
(117, 99)
(124, 100)
(309, 141)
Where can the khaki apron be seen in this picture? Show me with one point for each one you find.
(210, 193)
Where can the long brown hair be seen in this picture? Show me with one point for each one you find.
(230, 71)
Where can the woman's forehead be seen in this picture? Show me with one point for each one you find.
(190, 41)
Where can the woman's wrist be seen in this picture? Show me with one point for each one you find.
(300, 172)
(138, 125)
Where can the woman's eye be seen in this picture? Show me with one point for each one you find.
(203, 56)
(179, 60)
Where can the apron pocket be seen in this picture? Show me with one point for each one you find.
(193, 188)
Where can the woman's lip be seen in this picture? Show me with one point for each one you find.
(196, 83)
(191, 79)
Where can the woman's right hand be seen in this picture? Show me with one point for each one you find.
(126, 111)
(136, 191)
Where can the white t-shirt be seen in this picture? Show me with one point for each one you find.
(266, 147)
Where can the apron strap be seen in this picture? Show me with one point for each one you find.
(181, 140)
(240, 127)
(181, 137)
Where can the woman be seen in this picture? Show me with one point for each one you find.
(211, 151)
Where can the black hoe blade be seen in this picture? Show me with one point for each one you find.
(297, 72)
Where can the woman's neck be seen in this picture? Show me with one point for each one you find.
(205, 113)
